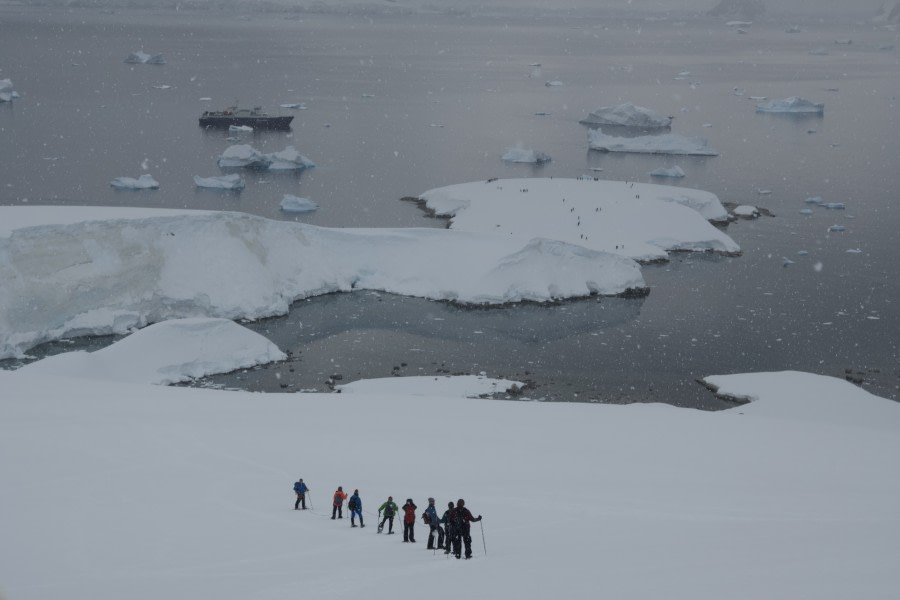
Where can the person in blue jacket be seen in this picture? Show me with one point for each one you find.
(355, 506)
(431, 518)
(300, 489)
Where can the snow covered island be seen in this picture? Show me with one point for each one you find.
(642, 221)
(70, 271)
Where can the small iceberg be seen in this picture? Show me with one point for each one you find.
(815, 200)
(222, 182)
(521, 155)
(675, 171)
(294, 105)
(142, 58)
(238, 128)
(628, 115)
(837, 228)
(745, 211)
(792, 105)
(7, 93)
(819, 51)
(144, 182)
(835, 205)
(243, 156)
(554, 83)
(295, 204)
(288, 159)
(669, 143)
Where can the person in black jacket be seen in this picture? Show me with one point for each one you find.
(448, 528)
(460, 517)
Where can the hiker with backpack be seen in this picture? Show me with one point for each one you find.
(448, 527)
(460, 518)
(300, 489)
(389, 508)
(355, 506)
(409, 521)
(337, 506)
(431, 519)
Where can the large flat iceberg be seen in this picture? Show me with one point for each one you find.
(70, 272)
(669, 143)
(639, 220)
(628, 115)
(792, 105)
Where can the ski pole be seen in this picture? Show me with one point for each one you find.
(309, 497)
(482, 537)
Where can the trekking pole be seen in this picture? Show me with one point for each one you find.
(482, 537)
(309, 497)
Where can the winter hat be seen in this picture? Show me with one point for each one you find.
(431, 501)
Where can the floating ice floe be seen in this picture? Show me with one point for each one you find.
(837, 228)
(806, 211)
(628, 115)
(746, 211)
(236, 128)
(675, 171)
(554, 83)
(289, 159)
(294, 105)
(295, 204)
(819, 51)
(793, 105)
(7, 93)
(669, 143)
(142, 58)
(244, 156)
(144, 182)
(815, 200)
(642, 221)
(220, 182)
(835, 205)
(521, 155)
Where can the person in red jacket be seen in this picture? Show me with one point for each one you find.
(460, 517)
(409, 521)
(337, 506)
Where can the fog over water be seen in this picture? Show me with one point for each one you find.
(402, 97)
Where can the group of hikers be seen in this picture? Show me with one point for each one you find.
(451, 531)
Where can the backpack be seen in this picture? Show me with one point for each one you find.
(389, 511)
(352, 504)
(297, 487)
(426, 518)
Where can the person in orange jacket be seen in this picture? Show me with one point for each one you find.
(337, 506)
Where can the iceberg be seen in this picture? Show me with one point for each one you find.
(240, 128)
(521, 155)
(669, 143)
(792, 105)
(142, 58)
(222, 182)
(295, 204)
(288, 159)
(243, 156)
(675, 171)
(144, 182)
(7, 93)
(642, 221)
(628, 115)
(746, 211)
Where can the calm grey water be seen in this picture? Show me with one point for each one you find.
(400, 104)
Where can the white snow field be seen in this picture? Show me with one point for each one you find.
(640, 220)
(91, 271)
(667, 143)
(116, 490)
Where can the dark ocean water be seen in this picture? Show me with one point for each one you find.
(396, 105)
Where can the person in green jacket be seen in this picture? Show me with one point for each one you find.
(389, 509)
